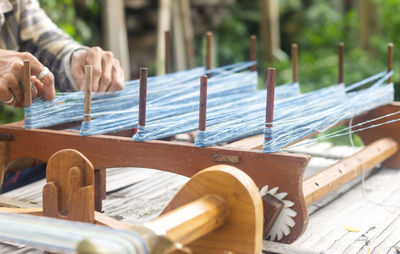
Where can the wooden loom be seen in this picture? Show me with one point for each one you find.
(280, 169)
(215, 208)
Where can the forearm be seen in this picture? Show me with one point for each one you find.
(50, 45)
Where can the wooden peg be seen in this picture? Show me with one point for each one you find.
(253, 52)
(390, 60)
(27, 84)
(203, 103)
(208, 51)
(294, 62)
(243, 214)
(69, 191)
(88, 93)
(167, 36)
(269, 116)
(142, 96)
(341, 60)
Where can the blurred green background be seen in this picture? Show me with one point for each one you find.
(316, 25)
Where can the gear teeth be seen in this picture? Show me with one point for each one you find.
(273, 191)
(288, 203)
(264, 190)
(281, 195)
(290, 222)
(284, 222)
(291, 212)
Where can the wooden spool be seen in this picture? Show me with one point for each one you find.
(243, 227)
(69, 191)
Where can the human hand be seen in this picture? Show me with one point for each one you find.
(107, 74)
(11, 75)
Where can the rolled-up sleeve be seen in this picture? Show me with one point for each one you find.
(41, 37)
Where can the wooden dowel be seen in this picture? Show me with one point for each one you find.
(390, 60)
(193, 220)
(324, 182)
(142, 96)
(167, 35)
(269, 116)
(27, 84)
(88, 93)
(253, 52)
(203, 103)
(208, 51)
(341, 59)
(294, 62)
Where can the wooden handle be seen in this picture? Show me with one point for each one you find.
(253, 51)
(88, 93)
(390, 60)
(27, 84)
(142, 96)
(167, 36)
(208, 51)
(324, 182)
(203, 103)
(341, 57)
(294, 62)
(193, 220)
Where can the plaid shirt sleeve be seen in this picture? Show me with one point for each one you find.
(37, 34)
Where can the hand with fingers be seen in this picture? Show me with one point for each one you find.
(11, 75)
(108, 75)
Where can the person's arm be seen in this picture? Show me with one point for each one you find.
(51, 46)
(65, 57)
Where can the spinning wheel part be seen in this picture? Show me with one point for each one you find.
(284, 222)
(243, 227)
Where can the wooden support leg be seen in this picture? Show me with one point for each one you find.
(331, 178)
(100, 188)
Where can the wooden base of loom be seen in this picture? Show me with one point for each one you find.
(281, 170)
(206, 215)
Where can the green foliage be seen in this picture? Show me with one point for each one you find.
(79, 18)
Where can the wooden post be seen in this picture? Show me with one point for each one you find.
(163, 24)
(27, 84)
(390, 60)
(187, 31)
(269, 116)
(203, 103)
(269, 29)
(88, 93)
(340, 63)
(253, 52)
(167, 51)
(208, 51)
(115, 33)
(294, 63)
(142, 96)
